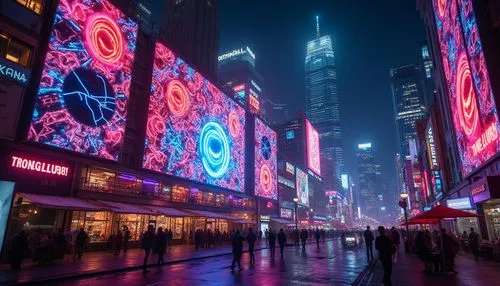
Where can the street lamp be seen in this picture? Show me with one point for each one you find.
(296, 201)
(403, 203)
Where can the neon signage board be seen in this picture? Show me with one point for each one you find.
(82, 100)
(235, 53)
(290, 168)
(459, 204)
(39, 166)
(472, 104)
(286, 213)
(14, 72)
(302, 186)
(254, 103)
(194, 131)
(266, 161)
(313, 155)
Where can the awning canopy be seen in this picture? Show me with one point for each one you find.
(282, 221)
(65, 203)
(211, 214)
(168, 211)
(244, 221)
(442, 212)
(126, 208)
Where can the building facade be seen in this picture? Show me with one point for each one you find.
(368, 200)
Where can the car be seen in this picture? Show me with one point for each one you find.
(351, 239)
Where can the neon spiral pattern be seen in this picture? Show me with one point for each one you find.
(466, 97)
(103, 38)
(177, 98)
(266, 162)
(194, 131)
(313, 155)
(214, 150)
(95, 36)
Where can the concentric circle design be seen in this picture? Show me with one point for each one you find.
(466, 97)
(104, 39)
(177, 98)
(214, 150)
(266, 178)
(234, 124)
(265, 147)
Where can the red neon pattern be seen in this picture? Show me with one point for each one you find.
(266, 161)
(266, 179)
(177, 98)
(103, 38)
(466, 97)
(234, 124)
(313, 156)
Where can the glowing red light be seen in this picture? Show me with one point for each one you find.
(234, 124)
(177, 98)
(442, 7)
(269, 205)
(239, 88)
(254, 102)
(103, 38)
(266, 178)
(39, 166)
(466, 97)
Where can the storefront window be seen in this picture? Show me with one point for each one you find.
(195, 196)
(208, 199)
(165, 192)
(220, 200)
(136, 224)
(492, 216)
(97, 180)
(96, 224)
(151, 188)
(180, 194)
(127, 184)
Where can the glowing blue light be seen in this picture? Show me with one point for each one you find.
(214, 150)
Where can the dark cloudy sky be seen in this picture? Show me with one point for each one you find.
(369, 38)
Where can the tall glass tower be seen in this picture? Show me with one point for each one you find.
(322, 100)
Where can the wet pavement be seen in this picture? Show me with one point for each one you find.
(329, 265)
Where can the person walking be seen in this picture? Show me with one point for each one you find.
(303, 238)
(237, 250)
(474, 243)
(126, 238)
(251, 238)
(161, 245)
(81, 239)
(450, 248)
(147, 242)
(266, 236)
(368, 236)
(170, 236)
(396, 240)
(317, 235)
(197, 239)
(272, 242)
(296, 237)
(118, 239)
(282, 241)
(385, 250)
(17, 250)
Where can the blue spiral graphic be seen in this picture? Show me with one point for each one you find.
(214, 150)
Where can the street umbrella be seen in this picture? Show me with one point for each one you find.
(414, 220)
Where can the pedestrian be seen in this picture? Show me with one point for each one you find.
(272, 242)
(303, 237)
(296, 236)
(266, 235)
(81, 239)
(160, 245)
(385, 250)
(317, 235)
(126, 238)
(281, 241)
(474, 243)
(260, 234)
(251, 238)
(237, 250)
(170, 236)
(117, 243)
(450, 248)
(368, 236)
(18, 248)
(148, 240)
(396, 239)
(197, 239)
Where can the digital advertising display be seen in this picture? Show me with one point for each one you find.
(302, 183)
(313, 154)
(6, 193)
(471, 99)
(194, 131)
(81, 103)
(266, 161)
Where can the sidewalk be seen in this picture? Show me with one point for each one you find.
(408, 271)
(93, 263)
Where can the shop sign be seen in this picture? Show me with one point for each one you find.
(319, 218)
(459, 204)
(285, 213)
(286, 182)
(14, 72)
(427, 209)
(265, 218)
(290, 168)
(39, 166)
(480, 193)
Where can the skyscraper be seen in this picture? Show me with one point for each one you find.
(322, 100)
(427, 69)
(409, 103)
(367, 170)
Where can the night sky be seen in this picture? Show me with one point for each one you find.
(369, 37)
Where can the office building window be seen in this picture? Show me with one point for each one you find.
(34, 5)
(14, 50)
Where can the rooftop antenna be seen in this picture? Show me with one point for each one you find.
(317, 27)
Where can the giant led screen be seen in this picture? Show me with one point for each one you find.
(471, 99)
(194, 131)
(81, 103)
(313, 155)
(302, 186)
(266, 169)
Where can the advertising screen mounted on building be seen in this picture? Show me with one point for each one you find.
(471, 99)
(266, 161)
(302, 182)
(81, 103)
(313, 155)
(194, 131)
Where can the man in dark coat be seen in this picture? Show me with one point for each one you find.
(281, 241)
(237, 250)
(317, 235)
(368, 236)
(161, 244)
(272, 242)
(17, 249)
(81, 239)
(251, 238)
(126, 238)
(303, 238)
(384, 246)
(148, 240)
(474, 242)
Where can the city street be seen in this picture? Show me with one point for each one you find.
(330, 265)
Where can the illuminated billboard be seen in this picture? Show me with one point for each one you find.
(81, 103)
(471, 99)
(313, 155)
(194, 131)
(302, 183)
(266, 161)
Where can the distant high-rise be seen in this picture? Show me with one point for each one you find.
(427, 69)
(191, 28)
(367, 170)
(409, 103)
(322, 100)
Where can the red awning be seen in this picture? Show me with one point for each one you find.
(168, 211)
(125, 208)
(64, 203)
(441, 212)
(413, 221)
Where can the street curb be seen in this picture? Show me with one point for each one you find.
(365, 275)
